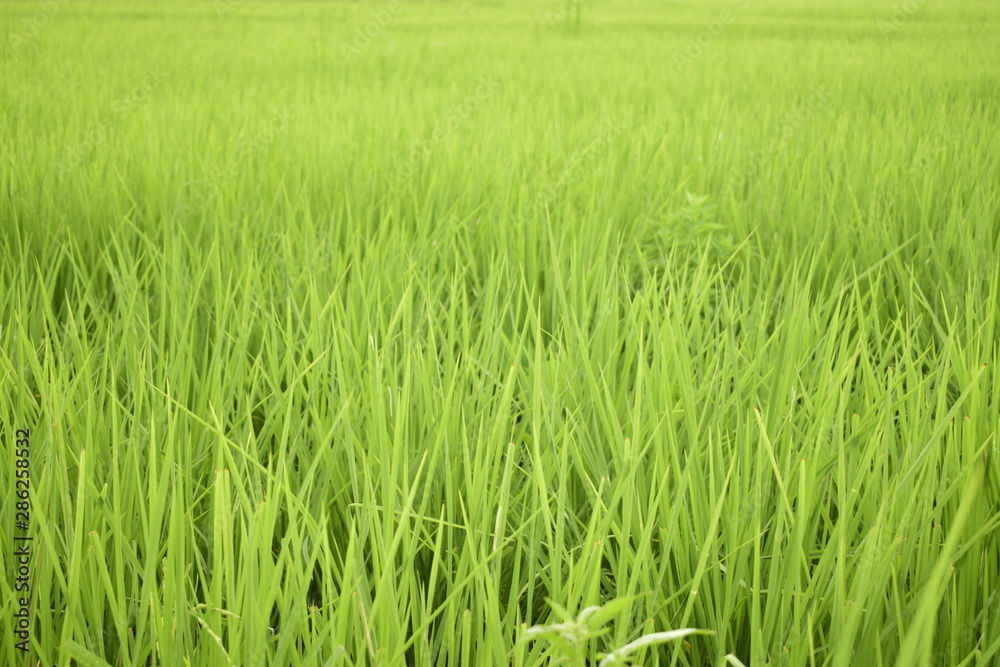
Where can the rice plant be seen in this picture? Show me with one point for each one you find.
(487, 339)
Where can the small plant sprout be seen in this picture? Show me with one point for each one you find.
(572, 635)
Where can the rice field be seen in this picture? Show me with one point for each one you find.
(496, 332)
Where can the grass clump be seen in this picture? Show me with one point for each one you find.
(501, 339)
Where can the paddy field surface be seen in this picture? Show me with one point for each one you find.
(500, 333)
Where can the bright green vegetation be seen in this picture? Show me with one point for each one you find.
(384, 356)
